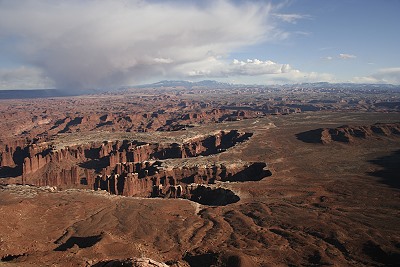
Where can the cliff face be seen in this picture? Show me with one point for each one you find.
(347, 134)
(184, 182)
(12, 152)
(133, 168)
(143, 121)
(151, 179)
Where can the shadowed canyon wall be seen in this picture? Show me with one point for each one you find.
(347, 133)
(132, 168)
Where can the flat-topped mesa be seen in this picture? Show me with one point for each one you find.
(348, 133)
(199, 146)
(42, 164)
(143, 121)
(151, 179)
(62, 161)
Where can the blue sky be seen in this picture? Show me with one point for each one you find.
(104, 44)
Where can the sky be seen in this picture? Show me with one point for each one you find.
(104, 44)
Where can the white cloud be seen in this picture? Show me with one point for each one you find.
(86, 44)
(266, 71)
(297, 76)
(326, 48)
(291, 18)
(386, 75)
(24, 78)
(346, 56)
(340, 56)
(213, 67)
(365, 79)
(254, 67)
(303, 33)
(163, 60)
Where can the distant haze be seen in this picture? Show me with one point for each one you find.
(88, 44)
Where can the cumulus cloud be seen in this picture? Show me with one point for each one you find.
(297, 76)
(257, 67)
(266, 71)
(346, 56)
(386, 75)
(214, 67)
(103, 43)
(24, 78)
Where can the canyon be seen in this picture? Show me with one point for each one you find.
(176, 177)
(133, 168)
(348, 133)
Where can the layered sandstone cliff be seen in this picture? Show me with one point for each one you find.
(133, 168)
(348, 133)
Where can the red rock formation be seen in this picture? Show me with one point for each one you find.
(12, 152)
(6, 158)
(64, 177)
(348, 133)
(127, 170)
(150, 178)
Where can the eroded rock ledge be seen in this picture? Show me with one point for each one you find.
(133, 168)
(132, 262)
(349, 133)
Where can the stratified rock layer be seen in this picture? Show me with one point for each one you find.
(347, 133)
(133, 168)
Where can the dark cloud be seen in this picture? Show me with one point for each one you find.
(97, 44)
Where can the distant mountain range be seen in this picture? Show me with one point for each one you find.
(37, 93)
(42, 93)
(220, 85)
(346, 85)
(206, 84)
(187, 84)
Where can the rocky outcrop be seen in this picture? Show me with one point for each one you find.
(6, 157)
(347, 134)
(134, 151)
(133, 168)
(146, 121)
(12, 152)
(152, 179)
(41, 164)
(218, 258)
(135, 262)
(64, 177)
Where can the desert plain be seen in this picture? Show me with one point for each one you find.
(178, 177)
